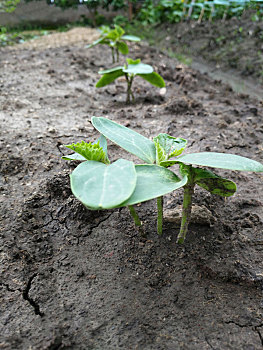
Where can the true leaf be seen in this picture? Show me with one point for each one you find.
(89, 151)
(100, 186)
(222, 160)
(126, 138)
(153, 78)
(122, 47)
(131, 61)
(109, 78)
(213, 183)
(153, 181)
(168, 146)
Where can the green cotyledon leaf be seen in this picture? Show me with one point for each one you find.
(139, 68)
(153, 181)
(213, 183)
(167, 147)
(126, 138)
(100, 186)
(130, 37)
(154, 79)
(88, 151)
(109, 77)
(221, 160)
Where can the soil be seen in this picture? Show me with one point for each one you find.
(78, 279)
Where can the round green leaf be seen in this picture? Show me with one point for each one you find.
(108, 78)
(154, 79)
(110, 70)
(130, 38)
(126, 138)
(221, 160)
(139, 68)
(153, 181)
(100, 186)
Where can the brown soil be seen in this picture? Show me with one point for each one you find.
(78, 279)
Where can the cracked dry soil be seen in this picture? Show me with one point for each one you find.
(78, 279)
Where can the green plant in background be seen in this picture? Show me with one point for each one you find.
(165, 147)
(8, 5)
(115, 39)
(130, 71)
(101, 185)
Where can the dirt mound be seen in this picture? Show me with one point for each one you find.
(71, 278)
(72, 37)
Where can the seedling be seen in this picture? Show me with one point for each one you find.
(130, 71)
(166, 147)
(101, 185)
(115, 39)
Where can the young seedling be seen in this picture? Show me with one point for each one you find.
(130, 71)
(115, 39)
(166, 147)
(101, 185)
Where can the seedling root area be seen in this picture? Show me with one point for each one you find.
(73, 278)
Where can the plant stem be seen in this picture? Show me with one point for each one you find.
(160, 215)
(135, 216)
(187, 207)
(129, 92)
(117, 54)
(112, 55)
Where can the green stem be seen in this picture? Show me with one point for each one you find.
(186, 213)
(112, 55)
(129, 91)
(135, 216)
(160, 215)
(117, 54)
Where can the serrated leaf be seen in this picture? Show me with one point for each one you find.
(168, 146)
(153, 181)
(153, 78)
(100, 186)
(122, 47)
(130, 38)
(89, 151)
(213, 183)
(222, 160)
(139, 68)
(108, 78)
(126, 138)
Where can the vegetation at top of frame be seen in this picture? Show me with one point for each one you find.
(176, 10)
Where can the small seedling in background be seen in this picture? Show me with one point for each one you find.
(115, 39)
(101, 185)
(166, 147)
(133, 69)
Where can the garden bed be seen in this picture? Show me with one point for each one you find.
(78, 279)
